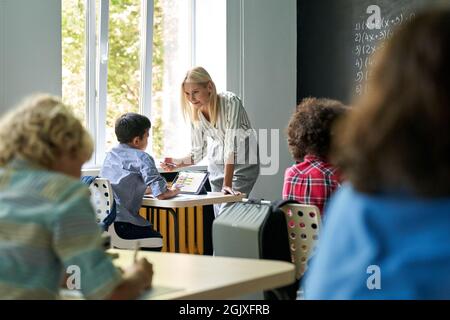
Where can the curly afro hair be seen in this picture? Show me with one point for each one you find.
(310, 127)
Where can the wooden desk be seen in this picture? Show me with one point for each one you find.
(187, 200)
(187, 276)
(185, 203)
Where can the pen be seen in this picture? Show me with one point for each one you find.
(136, 250)
(170, 164)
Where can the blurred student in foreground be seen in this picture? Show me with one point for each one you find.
(387, 232)
(47, 223)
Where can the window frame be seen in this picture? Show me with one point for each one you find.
(102, 82)
(90, 82)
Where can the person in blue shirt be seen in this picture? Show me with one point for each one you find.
(132, 173)
(386, 233)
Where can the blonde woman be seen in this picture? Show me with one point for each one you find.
(233, 160)
(47, 224)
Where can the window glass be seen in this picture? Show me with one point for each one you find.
(171, 59)
(73, 56)
(124, 75)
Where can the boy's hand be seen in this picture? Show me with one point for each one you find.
(170, 193)
(173, 192)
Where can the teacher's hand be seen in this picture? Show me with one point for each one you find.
(168, 164)
(229, 190)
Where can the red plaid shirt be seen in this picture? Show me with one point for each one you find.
(311, 182)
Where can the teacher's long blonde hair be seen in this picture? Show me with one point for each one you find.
(199, 75)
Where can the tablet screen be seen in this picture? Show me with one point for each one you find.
(190, 182)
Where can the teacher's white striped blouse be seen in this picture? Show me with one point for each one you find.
(232, 127)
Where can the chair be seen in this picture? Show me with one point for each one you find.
(303, 225)
(103, 200)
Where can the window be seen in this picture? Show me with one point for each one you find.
(131, 56)
(73, 55)
(124, 60)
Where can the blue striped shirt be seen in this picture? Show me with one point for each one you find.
(130, 171)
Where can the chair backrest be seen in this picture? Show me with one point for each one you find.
(303, 225)
(102, 198)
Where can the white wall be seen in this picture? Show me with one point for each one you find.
(262, 68)
(30, 49)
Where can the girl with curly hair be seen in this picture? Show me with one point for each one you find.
(313, 179)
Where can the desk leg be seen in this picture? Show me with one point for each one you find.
(162, 226)
(154, 217)
(170, 226)
(151, 217)
(182, 226)
(174, 214)
(198, 211)
(191, 229)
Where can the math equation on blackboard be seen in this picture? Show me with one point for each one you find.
(369, 34)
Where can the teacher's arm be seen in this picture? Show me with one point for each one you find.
(233, 127)
(198, 152)
(171, 164)
(227, 187)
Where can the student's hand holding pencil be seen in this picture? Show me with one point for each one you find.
(145, 271)
(141, 273)
(135, 279)
(143, 266)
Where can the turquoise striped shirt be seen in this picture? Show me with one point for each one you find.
(47, 225)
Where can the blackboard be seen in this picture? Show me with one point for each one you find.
(336, 40)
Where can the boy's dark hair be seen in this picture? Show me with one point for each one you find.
(131, 125)
(309, 129)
